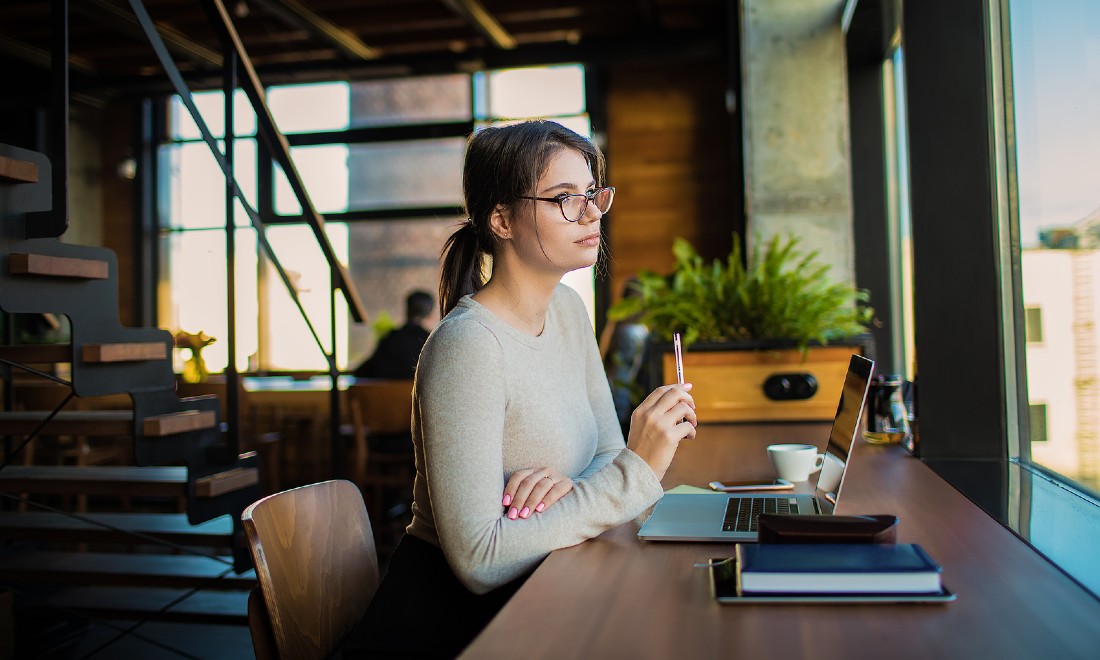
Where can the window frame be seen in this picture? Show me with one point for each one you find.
(266, 171)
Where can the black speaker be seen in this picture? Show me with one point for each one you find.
(790, 387)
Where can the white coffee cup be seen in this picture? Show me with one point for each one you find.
(795, 462)
(831, 472)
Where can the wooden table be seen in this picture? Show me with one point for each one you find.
(617, 597)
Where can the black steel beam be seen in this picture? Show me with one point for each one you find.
(482, 21)
(120, 19)
(297, 15)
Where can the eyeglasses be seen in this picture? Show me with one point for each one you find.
(574, 206)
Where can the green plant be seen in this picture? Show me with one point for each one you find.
(782, 294)
(383, 324)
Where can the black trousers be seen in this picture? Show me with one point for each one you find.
(421, 610)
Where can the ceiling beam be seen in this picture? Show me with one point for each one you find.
(482, 21)
(296, 14)
(40, 57)
(124, 21)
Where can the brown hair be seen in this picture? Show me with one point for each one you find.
(503, 163)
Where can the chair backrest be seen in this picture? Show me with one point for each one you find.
(377, 406)
(316, 564)
(381, 406)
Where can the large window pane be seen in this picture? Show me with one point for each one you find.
(195, 264)
(314, 107)
(388, 259)
(324, 172)
(1056, 94)
(535, 92)
(421, 173)
(427, 99)
(285, 338)
(384, 175)
(192, 189)
(212, 108)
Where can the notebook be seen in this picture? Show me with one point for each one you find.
(725, 518)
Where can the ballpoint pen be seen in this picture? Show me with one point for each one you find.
(679, 351)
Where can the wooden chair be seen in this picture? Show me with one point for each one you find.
(380, 409)
(382, 461)
(316, 565)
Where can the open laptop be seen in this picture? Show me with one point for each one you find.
(732, 517)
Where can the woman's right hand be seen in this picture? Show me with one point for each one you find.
(657, 426)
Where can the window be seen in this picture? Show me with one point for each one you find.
(1038, 412)
(1055, 68)
(1033, 324)
(382, 160)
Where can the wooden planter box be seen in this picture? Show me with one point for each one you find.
(728, 377)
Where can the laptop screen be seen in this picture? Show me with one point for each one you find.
(846, 425)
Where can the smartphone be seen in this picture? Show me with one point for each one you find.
(735, 486)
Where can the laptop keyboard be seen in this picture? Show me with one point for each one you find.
(743, 512)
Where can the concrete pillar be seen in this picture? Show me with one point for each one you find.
(795, 106)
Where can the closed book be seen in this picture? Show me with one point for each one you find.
(866, 568)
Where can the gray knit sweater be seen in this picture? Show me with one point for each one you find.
(490, 400)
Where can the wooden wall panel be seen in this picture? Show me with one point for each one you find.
(669, 156)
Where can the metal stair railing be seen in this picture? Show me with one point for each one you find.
(278, 147)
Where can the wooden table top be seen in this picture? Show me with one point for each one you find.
(617, 597)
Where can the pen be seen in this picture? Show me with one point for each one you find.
(679, 351)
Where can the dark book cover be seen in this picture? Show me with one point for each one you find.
(837, 568)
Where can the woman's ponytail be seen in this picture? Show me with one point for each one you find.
(462, 271)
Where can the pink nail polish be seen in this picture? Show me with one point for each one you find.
(507, 499)
(541, 507)
(526, 511)
(513, 514)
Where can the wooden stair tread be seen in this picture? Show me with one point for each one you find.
(172, 527)
(23, 263)
(70, 422)
(95, 480)
(18, 171)
(206, 606)
(179, 422)
(226, 482)
(123, 569)
(125, 352)
(37, 353)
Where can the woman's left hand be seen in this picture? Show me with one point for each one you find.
(534, 490)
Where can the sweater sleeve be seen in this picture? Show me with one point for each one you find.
(462, 401)
(610, 441)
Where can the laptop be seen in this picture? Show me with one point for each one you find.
(732, 517)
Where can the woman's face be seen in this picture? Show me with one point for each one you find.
(550, 241)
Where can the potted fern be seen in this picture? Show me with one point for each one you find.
(752, 330)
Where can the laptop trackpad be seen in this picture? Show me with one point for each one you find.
(692, 508)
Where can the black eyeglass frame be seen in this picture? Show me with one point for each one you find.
(588, 196)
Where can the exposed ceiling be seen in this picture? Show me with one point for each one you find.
(352, 38)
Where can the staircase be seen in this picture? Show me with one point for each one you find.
(191, 566)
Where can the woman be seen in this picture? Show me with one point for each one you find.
(518, 448)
